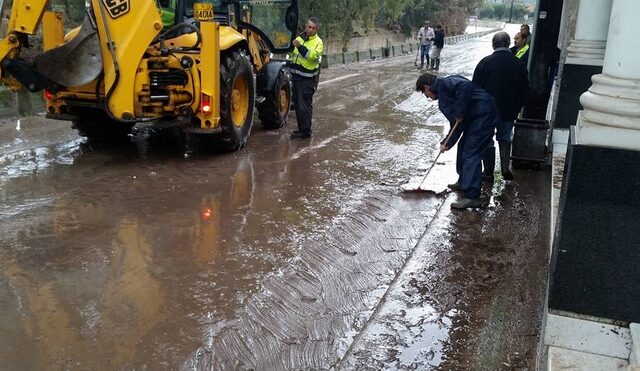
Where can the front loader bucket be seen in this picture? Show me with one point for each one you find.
(75, 63)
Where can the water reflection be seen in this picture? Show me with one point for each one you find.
(133, 296)
(98, 273)
(227, 208)
(73, 313)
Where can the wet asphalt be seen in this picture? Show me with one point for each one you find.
(288, 254)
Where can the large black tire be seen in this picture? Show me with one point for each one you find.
(274, 111)
(237, 99)
(97, 127)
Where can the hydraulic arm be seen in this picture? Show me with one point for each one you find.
(24, 20)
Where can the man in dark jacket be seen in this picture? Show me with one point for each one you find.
(476, 114)
(503, 76)
(438, 44)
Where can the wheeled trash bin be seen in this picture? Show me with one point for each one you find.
(529, 146)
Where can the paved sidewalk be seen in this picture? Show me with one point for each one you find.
(471, 296)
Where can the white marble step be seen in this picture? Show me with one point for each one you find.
(588, 336)
(634, 358)
(566, 359)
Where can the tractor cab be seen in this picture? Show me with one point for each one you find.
(265, 18)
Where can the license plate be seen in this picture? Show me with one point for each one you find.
(203, 11)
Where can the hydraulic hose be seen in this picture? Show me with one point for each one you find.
(180, 28)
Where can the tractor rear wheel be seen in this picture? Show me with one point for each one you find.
(274, 111)
(237, 99)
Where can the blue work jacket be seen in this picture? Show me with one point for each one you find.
(459, 97)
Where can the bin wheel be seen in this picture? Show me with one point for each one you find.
(517, 164)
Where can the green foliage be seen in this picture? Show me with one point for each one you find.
(73, 10)
(453, 15)
(7, 97)
(502, 11)
(339, 17)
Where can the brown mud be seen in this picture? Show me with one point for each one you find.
(288, 254)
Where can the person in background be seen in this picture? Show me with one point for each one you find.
(438, 44)
(504, 77)
(474, 115)
(526, 33)
(425, 36)
(305, 67)
(520, 48)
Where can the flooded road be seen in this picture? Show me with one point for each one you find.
(287, 254)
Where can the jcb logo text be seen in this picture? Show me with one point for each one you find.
(116, 8)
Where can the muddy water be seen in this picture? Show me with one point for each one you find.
(273, 257)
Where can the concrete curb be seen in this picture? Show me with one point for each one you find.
(392, 51)
(634, 357)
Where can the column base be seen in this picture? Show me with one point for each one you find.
(596, 261)
(590, 134)
(612, 102)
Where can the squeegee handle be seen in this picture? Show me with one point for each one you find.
(446, 141)
(428, 171)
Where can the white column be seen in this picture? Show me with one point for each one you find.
(588, 44)
(611, 115)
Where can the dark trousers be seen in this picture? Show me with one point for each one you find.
(424, 53)
(303, 90)
(503, 132)
(471, 147)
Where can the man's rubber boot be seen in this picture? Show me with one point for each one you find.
(437, 64)
(488, 164)
(433, 64)
(467, 203)
(300, 135)
(505, 157)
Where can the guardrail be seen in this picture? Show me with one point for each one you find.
(391, 51)
(10, 108)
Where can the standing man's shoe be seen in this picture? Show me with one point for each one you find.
(300, 135)
(505, 157)
(454, 186)
(467, 203)
(488, 164)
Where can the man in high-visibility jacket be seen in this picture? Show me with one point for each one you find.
(520, 48)
(305, 67)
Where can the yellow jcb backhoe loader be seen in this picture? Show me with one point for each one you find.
(201, 66)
